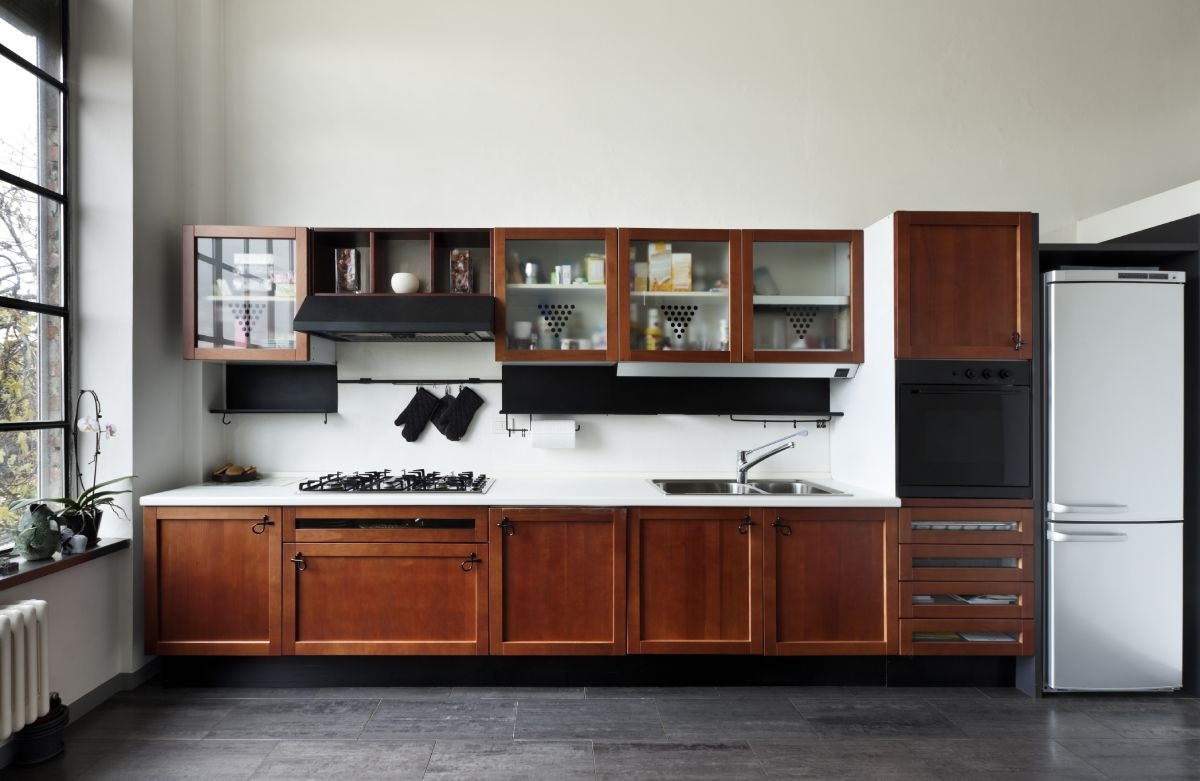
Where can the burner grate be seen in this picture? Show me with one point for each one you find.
(407, 481)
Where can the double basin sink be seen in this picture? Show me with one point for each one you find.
(748, 488)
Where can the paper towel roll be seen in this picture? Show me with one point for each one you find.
(553, 433)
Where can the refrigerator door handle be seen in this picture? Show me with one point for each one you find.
(1102, 537)
(1055, 507)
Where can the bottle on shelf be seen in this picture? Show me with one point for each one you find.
(723, 335)
(653, 330)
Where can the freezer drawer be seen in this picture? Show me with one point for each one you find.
(1116, 606)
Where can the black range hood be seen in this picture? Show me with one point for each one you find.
(397, 318)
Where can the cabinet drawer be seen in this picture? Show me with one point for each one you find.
(966, 562)
(966, 637)
(956, 599)
(385, 524)
(967, 525)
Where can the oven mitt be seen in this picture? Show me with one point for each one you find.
(456, 419)
(417, 414)
(439, 419)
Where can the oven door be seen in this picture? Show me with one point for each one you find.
(963, 441)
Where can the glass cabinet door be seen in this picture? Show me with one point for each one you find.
(242, 287)
(802, 295)
(554, 294)
(677, 292)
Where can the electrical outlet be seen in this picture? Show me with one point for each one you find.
(500, 425)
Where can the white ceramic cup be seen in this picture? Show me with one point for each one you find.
(404, 282)
(522, 329)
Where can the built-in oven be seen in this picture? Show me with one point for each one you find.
(963, 429)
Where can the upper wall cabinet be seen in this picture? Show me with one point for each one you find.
(964, 286)
(401, 261)
(554, 294)
(801, 296)
(241, 289)
(678, 295)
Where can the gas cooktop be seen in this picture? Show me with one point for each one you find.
(407, 481)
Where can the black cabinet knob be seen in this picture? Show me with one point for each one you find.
(1005, 374)
(986, 374)
(969, 374)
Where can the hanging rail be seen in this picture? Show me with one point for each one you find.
(821, 419)
(374, 381)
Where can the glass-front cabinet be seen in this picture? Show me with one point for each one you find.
(554, 294)
(677, 295)
(242, 286)
(802, 296)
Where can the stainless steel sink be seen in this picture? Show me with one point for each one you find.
(751, 487)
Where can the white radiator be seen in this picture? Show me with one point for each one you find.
(24, 671)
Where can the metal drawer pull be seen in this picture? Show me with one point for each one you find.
(261, 526)
(508, 527)
(300, 563)
(469, 564)
(1055, 507)
(744, 526)
(782, 527)
(1102, 537)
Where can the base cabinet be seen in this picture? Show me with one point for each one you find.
(212, 581)
(557, 581)
(829, 581)
(390, 598)
(695, 581)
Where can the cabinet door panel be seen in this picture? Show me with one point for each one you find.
(398, 598)
(211, 581)
(695, 581)
(829, 580)
(558, 581)
(964, 284)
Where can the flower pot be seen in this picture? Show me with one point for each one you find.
(41, 740)
(85, 523)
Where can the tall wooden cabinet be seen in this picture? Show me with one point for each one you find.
(557, 581)
(212, 581)
(964, 285)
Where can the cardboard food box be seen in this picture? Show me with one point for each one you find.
(660, 266)
(681, 271)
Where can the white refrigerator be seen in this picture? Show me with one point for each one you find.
(1114, 511)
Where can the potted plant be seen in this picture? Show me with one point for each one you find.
(82, 513)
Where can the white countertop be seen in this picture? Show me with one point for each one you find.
(563, 490)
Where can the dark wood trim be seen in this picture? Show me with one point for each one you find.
(1023, 517)
(33, 570)
(919, 502)
(1023, 646)
(1023, 571)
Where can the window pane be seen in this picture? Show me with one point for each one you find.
(33, 29)
(30, 467)
(31, 367)
(29, 127)
(31, 236)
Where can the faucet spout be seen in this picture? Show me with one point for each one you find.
(744, 465)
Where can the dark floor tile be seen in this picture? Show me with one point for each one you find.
(589, 720)
(851, 759)
(1156, 759)
(152, 719)
(517, 693)
(294, 719)
(179, 760)
(422, 693)
(244, 692)
(475, 720)
(732, 719)
(512, 761)
(682, 760)
(1002, 759)
(915, 692)
(877, 719)
(653, 692)
(346, 759)
(1020, 718)
(1146, 719)
(77, 757)
(782, 692)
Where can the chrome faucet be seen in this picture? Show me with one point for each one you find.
(743, 466)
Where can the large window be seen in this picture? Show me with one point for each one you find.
(33, 254)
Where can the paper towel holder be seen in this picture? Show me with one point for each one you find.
(511, 429)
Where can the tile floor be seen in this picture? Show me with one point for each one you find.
(898, 734)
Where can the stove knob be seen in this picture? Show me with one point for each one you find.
(969, 374)
(1005, 374)
(986, 374)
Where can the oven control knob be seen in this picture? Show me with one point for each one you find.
(986, 374)
(969, 374)
(1005, 374)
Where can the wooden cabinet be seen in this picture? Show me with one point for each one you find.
(679, 295)
(829, 581)
(801, 296)
(966, 580)
(695, 581)
(541, 317)
(362, 261)
(964, 285)
(557, 581)
(212, 581)
(413, 581)
(241, 289)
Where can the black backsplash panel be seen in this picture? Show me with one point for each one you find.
(579, 390)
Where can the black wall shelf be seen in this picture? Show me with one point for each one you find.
(272, 388)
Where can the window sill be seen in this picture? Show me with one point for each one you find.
(32, 570)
